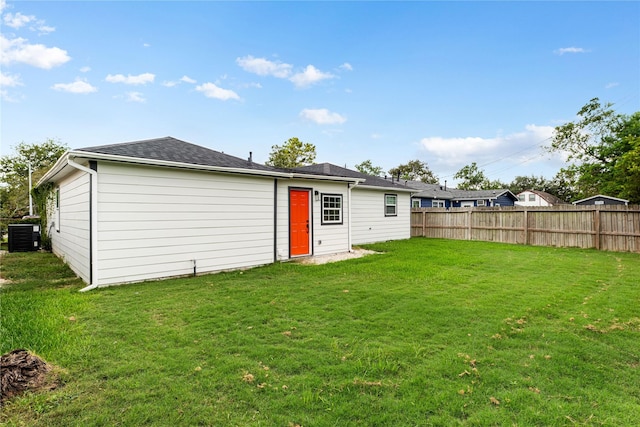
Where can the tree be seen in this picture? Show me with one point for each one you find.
(595, 144)
(293, 153)
(367, 168)
(627, 169)
(14, 173)
(522, 183)
(563, 185)
(473, 178)
(415, 170)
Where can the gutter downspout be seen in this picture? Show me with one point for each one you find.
(93, 230)
(350, 208)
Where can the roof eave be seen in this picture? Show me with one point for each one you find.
(376, 187)
(168, 163)
(326, 177)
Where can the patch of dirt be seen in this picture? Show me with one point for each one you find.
(3, 281)
(342, 256)
(22, 371)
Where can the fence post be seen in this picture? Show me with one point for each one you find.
(469, 224)
(526, 226)
(596, 226)
(424, 223)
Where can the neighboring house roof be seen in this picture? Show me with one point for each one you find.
(601, 196)
(549, 198)
(174, 150)
(369, 180)
(437, 191)
(482, 194)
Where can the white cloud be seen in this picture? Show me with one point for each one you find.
(3, 5)
(460, 151)
(611, 85)
(564, 50)
(8, 80)
(19, 50)
(309, 76)
(17, 20)
(322, 116)
(85, 69)
(135, 97)
(346, 66)
(183, 79)
(264, 67)
(251, 85)
(210, 90)
(44, 29)
(79, 86)
(140, 79)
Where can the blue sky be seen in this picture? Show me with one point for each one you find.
(448, 83)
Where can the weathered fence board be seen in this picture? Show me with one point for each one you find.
(605, 227)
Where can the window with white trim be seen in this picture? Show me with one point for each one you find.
(332, 209)
(481, 203)
(532, 197)
(57, 217)
(415, 203)
(390, 205)
(437, 203)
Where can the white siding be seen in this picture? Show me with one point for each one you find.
(369, 223)
(153, 222)
(538, 201)
(71, 242)
(327, 238)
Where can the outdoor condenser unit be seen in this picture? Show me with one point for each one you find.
(24, 237)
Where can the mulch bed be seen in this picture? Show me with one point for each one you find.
(21, 371)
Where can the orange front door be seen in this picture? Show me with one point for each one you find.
(299, 222)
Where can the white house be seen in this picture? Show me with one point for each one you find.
(160, 208)
(381, 208)
(538, 198)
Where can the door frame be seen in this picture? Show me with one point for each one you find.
(309, 192)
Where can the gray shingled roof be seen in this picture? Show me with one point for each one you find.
(480, 194)
(174, 150)
(550, 198)
(437, 191)
(333, 170)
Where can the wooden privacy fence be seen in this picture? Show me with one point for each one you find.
(604, 227)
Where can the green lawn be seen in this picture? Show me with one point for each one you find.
(432, 332)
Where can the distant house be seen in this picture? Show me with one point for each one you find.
(601, 199)
(538, 198)
(163, 207)
(438, 196)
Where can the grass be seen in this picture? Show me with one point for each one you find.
(432, 332)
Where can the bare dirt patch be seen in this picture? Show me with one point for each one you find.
(342, 256)
(23, 371)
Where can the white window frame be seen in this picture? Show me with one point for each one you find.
(532, 197)
(437, 203)
(481, 203)
(388, 207)
(415, 203)
(57, 217)
(331, 209)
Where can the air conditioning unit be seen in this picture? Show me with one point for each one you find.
(24, 237)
